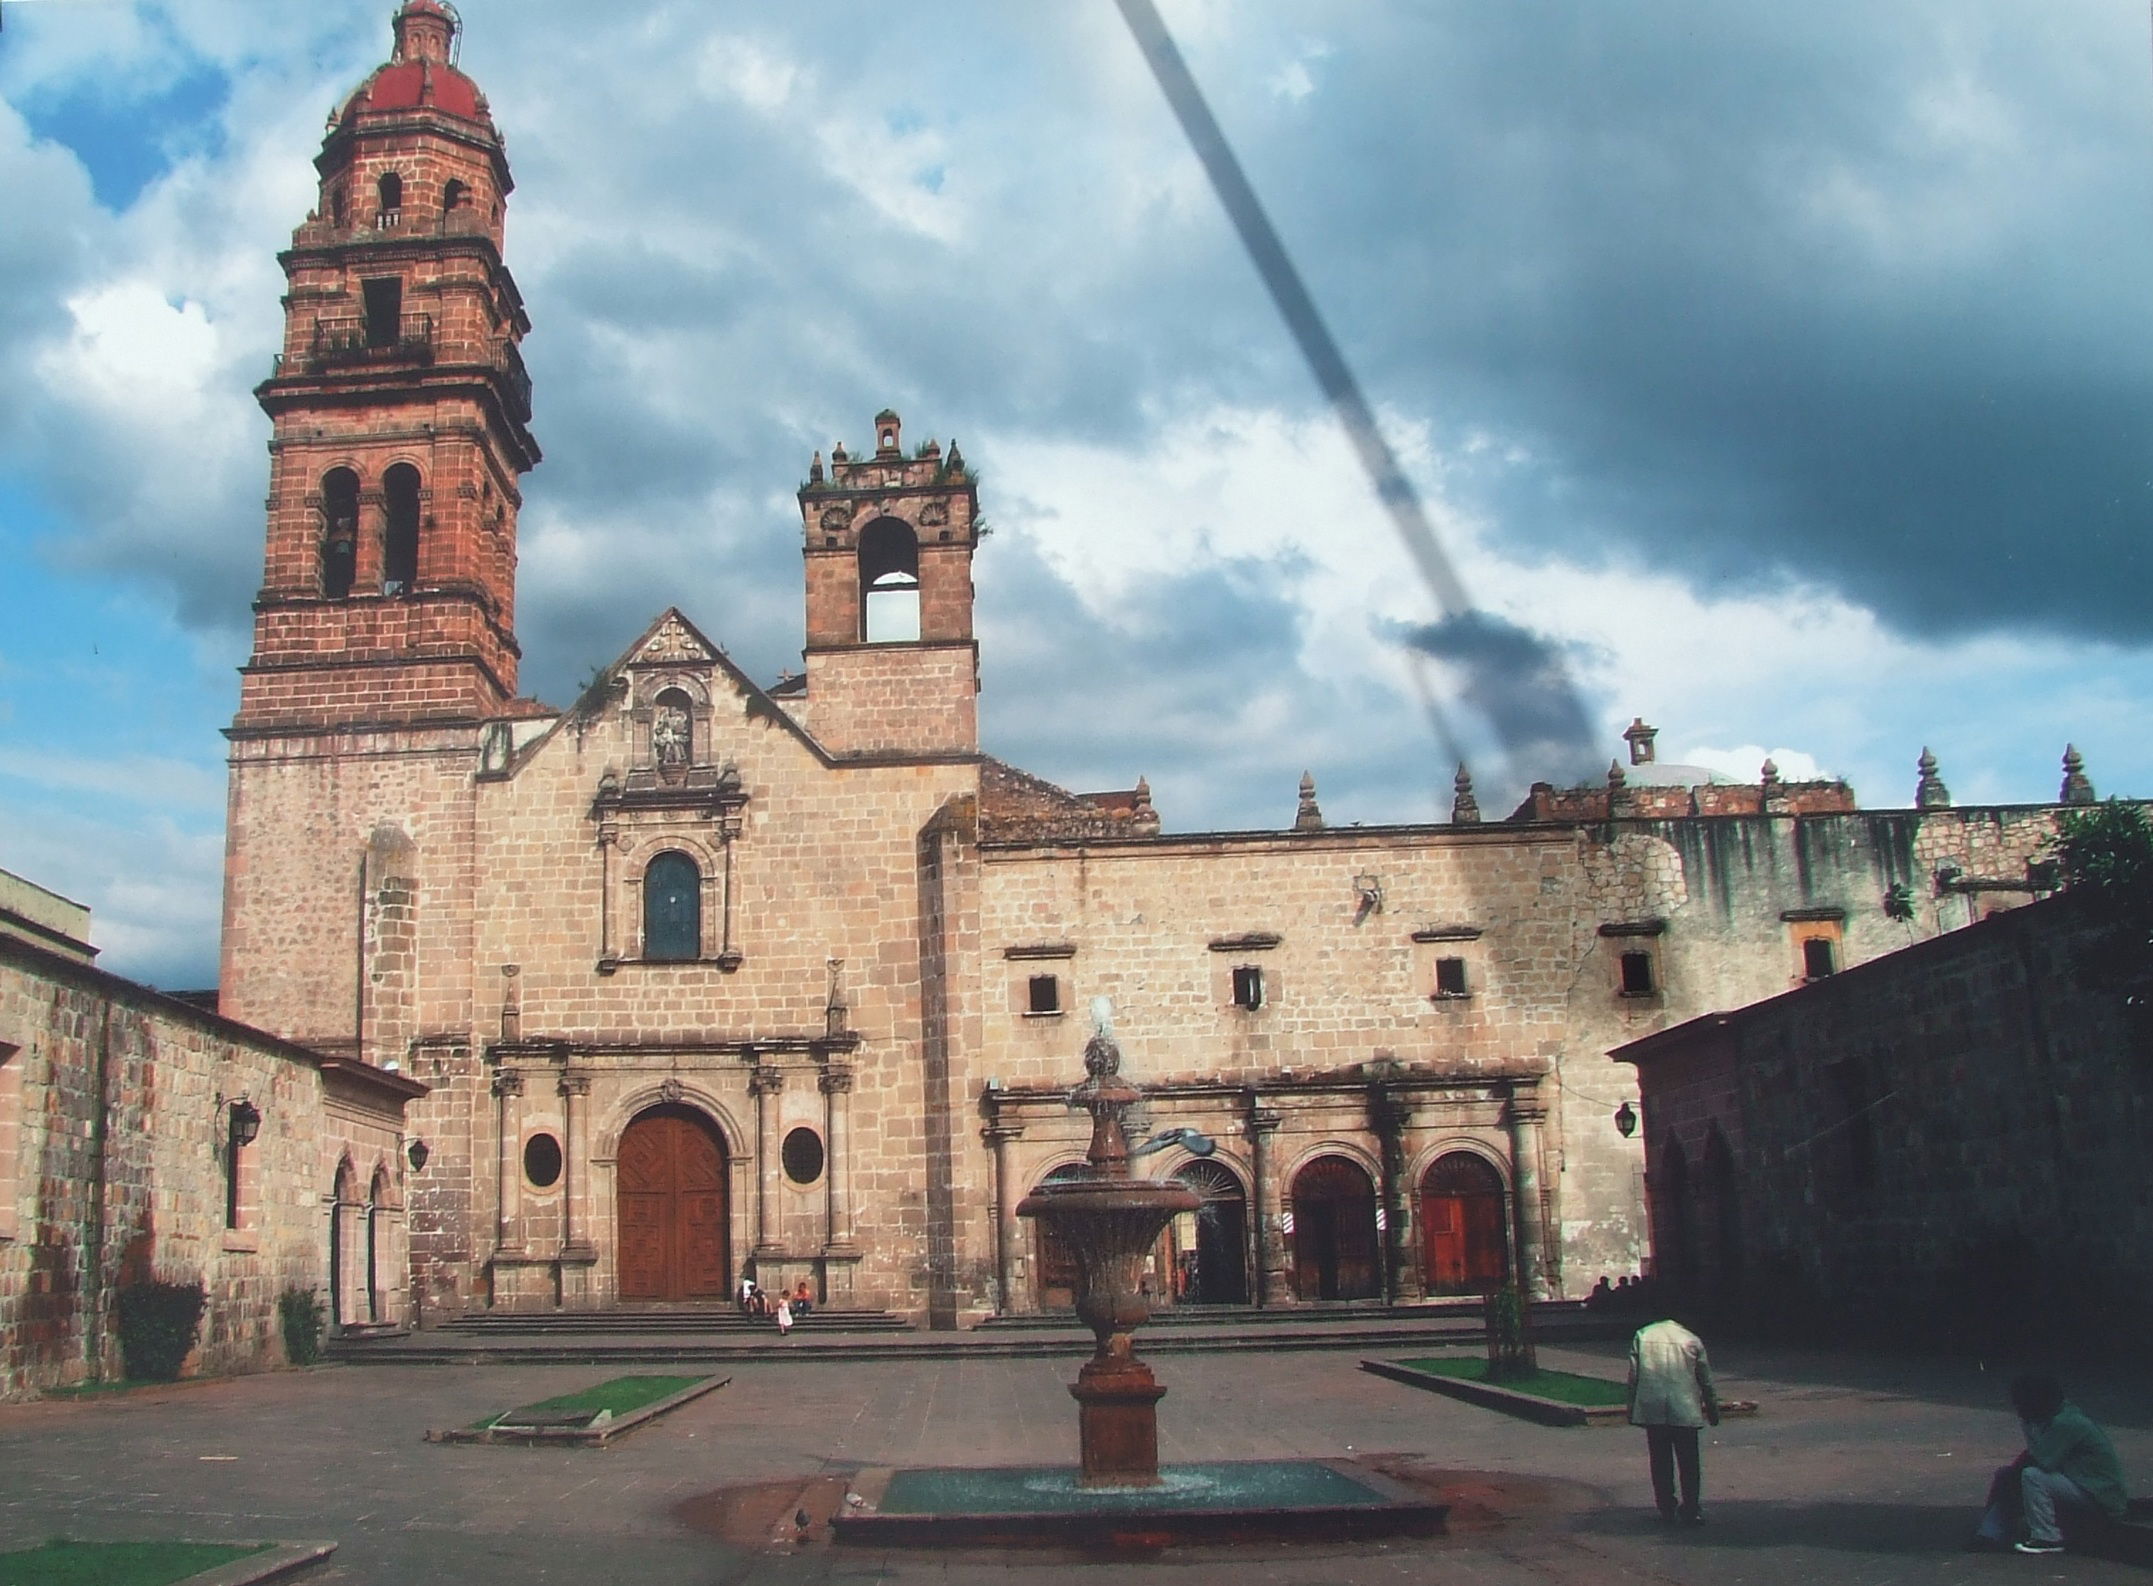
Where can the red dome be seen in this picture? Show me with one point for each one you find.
(408, 85)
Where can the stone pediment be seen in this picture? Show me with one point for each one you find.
(672, 641)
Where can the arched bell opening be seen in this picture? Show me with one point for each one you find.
(889, 583)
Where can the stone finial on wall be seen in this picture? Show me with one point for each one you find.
(2077, 786)
(1929, 790)
(1308, 818)
(1464, 808)
(814, 470)
(1142, 817)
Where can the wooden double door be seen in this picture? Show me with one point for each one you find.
(674, 1235)
(1465, 1243)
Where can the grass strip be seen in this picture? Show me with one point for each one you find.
(621, 1395)
(1565, 1387)
(64, 1563)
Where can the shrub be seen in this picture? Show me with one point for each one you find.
(303, 1317)
(158, 1326)
(1509, 1326)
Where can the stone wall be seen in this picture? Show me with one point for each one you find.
(114, 1109)
(1927, 1141)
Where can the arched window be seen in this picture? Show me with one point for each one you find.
(672, 731)
(454, 196)
(391, 188)
(889, 582)
(338, 215)
(340, 531)
(400, 543)
(672, 908)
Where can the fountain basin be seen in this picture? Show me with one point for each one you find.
(1047, 1506)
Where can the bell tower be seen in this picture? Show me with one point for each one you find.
(401, 414)
(384, 629)
(892, 667)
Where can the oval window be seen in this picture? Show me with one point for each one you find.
(542, 1161)
(802, 1156)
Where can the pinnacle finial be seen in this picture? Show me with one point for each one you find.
(1464, 808)
(2077, 786)
(1929, 790)
(1308, 818)
(1769, 773)
(1616, 776)
(814, 470)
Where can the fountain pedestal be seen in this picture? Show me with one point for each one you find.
(1118, 1423)
(1109, 1221)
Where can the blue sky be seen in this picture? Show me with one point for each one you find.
(1784, 366)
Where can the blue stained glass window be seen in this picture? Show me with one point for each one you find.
(672, 908)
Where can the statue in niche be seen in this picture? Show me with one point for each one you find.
(671, 734)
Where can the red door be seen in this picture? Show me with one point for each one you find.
(1465, 1248)
(673, 1221)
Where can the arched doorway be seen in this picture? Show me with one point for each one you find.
(377, 1211)
(1726, 1214)
(1334, 1231)
(674, 1222)
(344, 1212)
(1208, 1248)
(1464, 1244)
(1055, 1270)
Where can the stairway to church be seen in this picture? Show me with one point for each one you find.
(637, 1321)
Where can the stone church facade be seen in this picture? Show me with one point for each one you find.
(704, 976)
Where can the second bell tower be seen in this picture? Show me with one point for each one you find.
(892, 667)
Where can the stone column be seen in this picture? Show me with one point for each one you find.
(1526, 1114)
(998, 1133)
(575, 1105)
(1392, 1116)
(1271, 1285)
(508, 1089)
(836, 1083)
(765, 1084)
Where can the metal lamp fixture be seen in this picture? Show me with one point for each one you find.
(1625, 1120)
(246, 1121)
(416, 1154)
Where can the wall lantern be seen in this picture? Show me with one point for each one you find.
(246, 1121)
(416, 1154)
(1625, 1120)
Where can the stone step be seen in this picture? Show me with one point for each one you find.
(723, 1321)
(446, 1347)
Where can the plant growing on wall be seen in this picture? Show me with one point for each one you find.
(158, 1326)
(2106, 857)
(302, 1316)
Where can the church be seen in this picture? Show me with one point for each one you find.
(706, 977)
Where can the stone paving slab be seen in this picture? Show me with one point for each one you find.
(1867, 1470)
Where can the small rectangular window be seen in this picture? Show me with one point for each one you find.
(1248, 986)
(384, 311)
(1044, 994)
(1637, 978)
(1450, 977)
(1817, 957)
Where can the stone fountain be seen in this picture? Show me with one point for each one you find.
(1119, 1499)
(1110, 1221)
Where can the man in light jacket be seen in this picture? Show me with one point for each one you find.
(1671, 1397)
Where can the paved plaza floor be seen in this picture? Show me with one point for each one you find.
(1859, 1469)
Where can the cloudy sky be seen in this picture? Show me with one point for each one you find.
(1785, 367)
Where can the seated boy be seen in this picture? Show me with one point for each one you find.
(2069, 1471)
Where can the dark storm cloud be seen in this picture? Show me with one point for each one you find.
(1850, 292)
